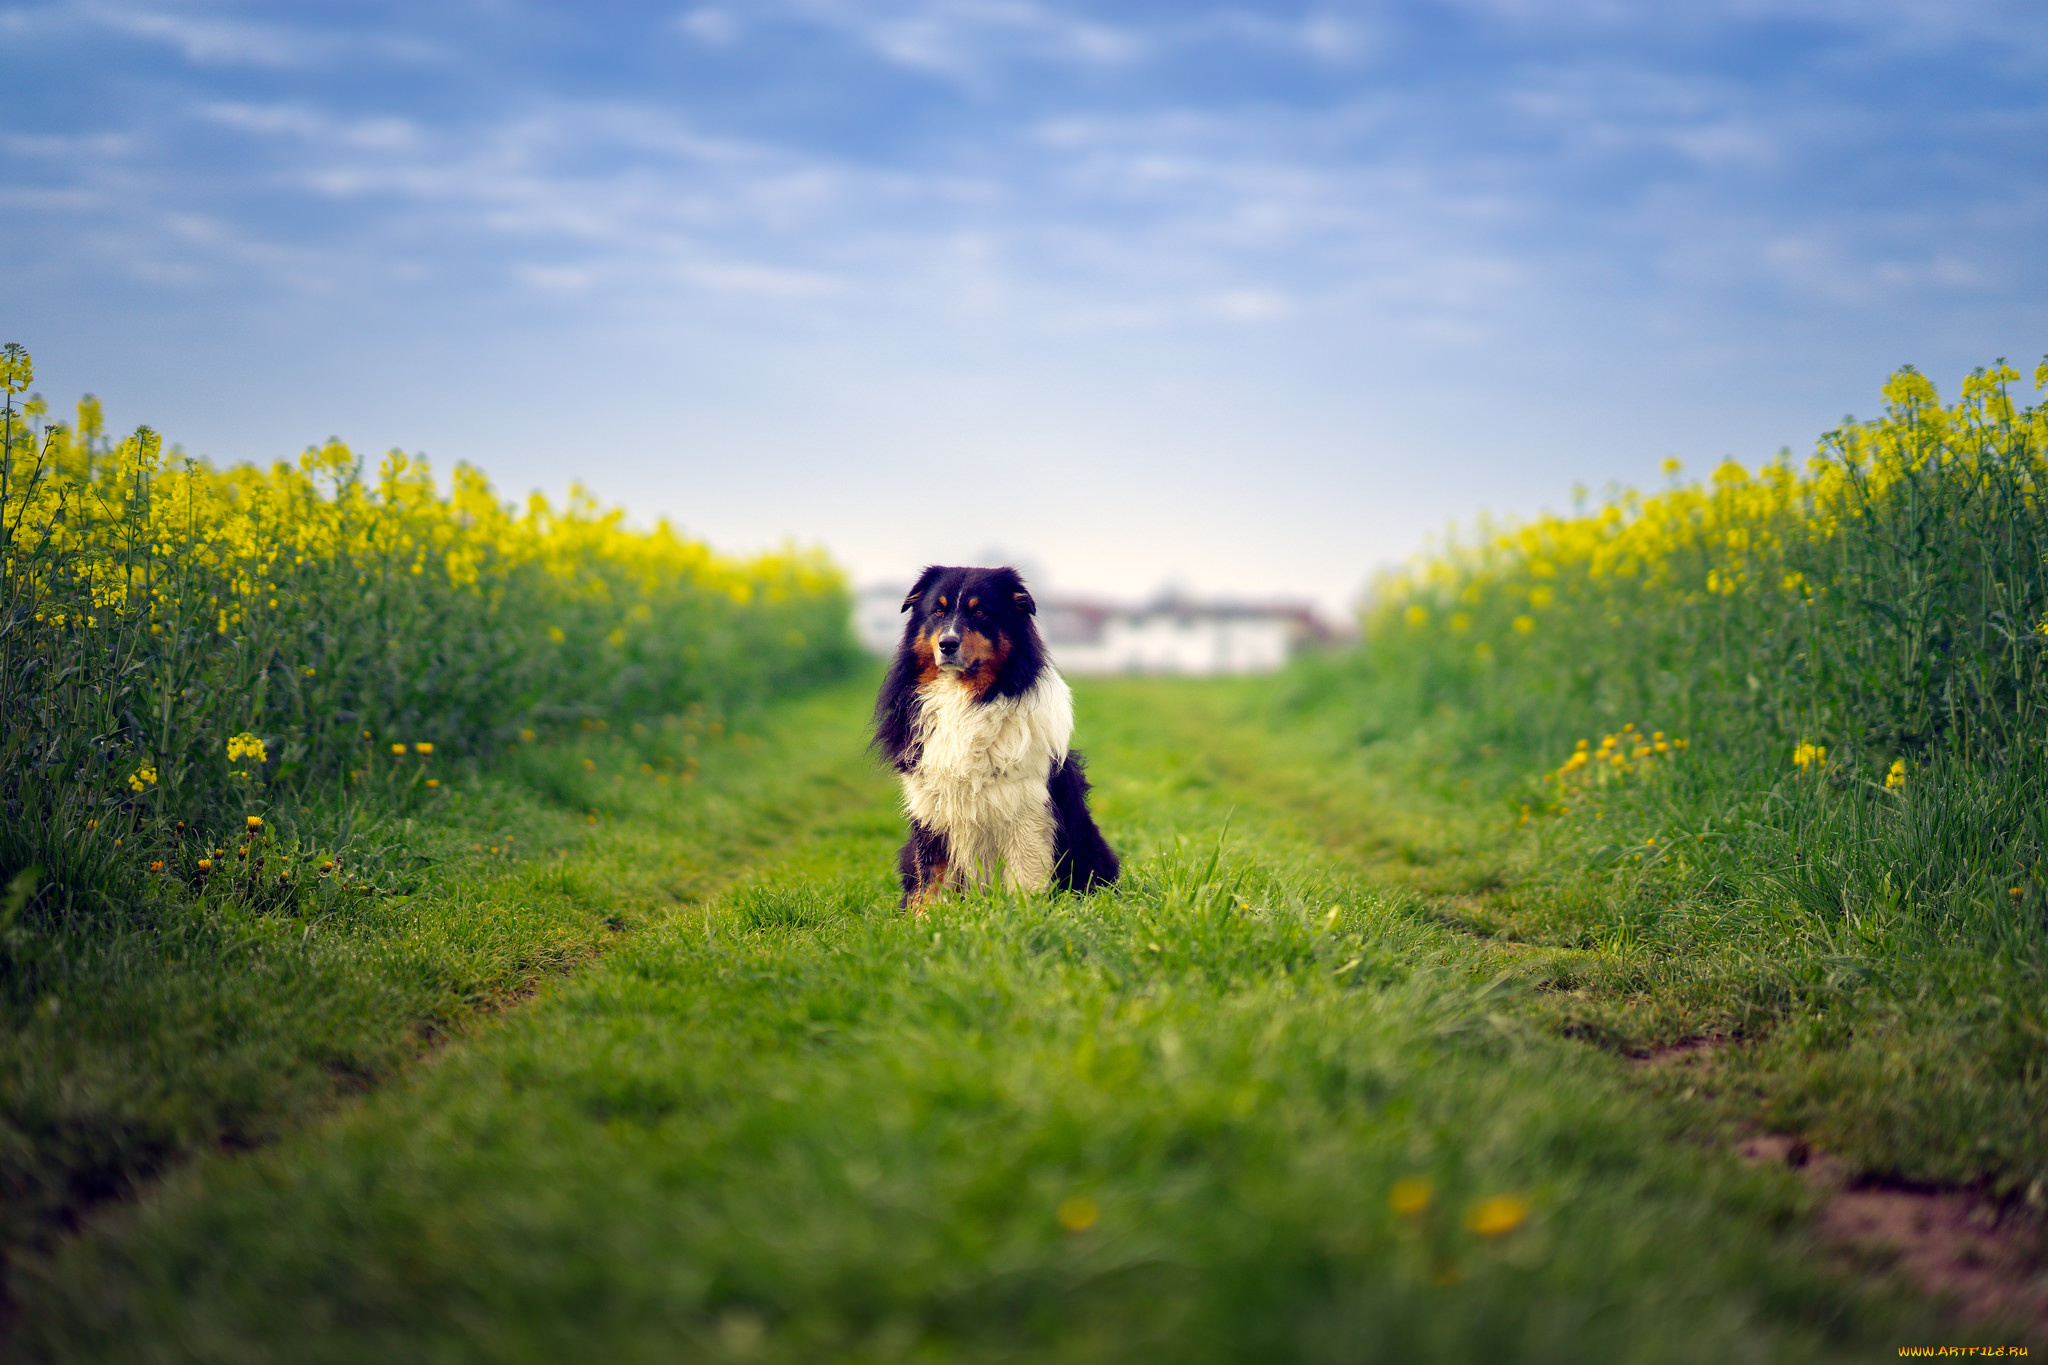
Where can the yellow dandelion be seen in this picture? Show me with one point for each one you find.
(255, 822)
(1411, 1196)
(423, 749)
(206, 864)
(1498, 1216)
(433, 782)
(398, 751)
(1078, 1213)
(1896, 778)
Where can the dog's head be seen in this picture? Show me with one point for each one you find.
(974, 624)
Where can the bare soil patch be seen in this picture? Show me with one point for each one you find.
(1987, 1256)
(1983, 1254)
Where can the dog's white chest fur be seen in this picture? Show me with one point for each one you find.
(981, 777)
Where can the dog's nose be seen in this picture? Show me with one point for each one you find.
(949, 644)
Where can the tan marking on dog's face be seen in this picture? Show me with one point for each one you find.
(927, 651)
(981, 658)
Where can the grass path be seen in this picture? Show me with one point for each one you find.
(1257, 1103)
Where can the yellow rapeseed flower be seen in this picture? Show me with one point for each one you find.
(246, 746)
(1896, 778)
(1808, 757)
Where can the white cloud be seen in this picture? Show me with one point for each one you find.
(1251, 305)
(968, 41)
(710, 26)
(209, 41)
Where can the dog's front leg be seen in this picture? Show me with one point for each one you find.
(924, 865)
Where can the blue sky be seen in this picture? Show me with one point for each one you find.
(1245, 298)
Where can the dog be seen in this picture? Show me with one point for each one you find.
(976, 720)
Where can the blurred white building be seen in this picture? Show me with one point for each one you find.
(1171, 635)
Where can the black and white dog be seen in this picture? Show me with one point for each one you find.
(976, 721)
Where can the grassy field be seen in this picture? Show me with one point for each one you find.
(434, 929)
(1262, 1101)
(218, 1023)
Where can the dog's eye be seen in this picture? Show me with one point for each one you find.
(979, 613)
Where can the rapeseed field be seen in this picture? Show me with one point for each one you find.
(184, 647)
(1775, 747)
(1886, 599)
(248, 715)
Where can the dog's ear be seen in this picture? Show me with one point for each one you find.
(924, 581)
(1020, 596)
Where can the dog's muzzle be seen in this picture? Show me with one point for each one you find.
(949, 650)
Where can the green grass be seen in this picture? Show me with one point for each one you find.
(192, 1025)
(1886, 996)
(788, 1123)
